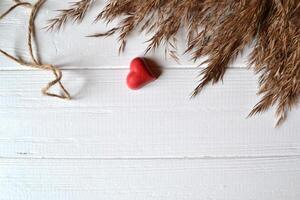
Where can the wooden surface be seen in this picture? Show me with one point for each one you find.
(113, 143)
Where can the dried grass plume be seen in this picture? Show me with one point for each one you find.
(219, 30)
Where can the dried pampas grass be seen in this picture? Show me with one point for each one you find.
(76, 12)
(219, 30)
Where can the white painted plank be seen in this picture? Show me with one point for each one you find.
(112, 143)
(69, 48)
(222, 179)
(106, 120)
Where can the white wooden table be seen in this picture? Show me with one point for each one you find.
(152, 144)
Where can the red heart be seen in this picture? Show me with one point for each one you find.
(140, 74)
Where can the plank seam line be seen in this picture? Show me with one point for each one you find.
(114, 68)
(159, 158)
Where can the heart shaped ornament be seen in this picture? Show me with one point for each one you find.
(140, 74)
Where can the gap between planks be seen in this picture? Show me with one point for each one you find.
(157, 158)
(122, 67)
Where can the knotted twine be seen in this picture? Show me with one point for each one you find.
(35, 63)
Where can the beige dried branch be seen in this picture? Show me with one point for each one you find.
(75, 13)
(277, 58)
(220, 30)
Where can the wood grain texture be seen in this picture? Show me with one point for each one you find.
(268, 179)
(113, 143)
(107, 120)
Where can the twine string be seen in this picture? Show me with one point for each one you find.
(35, 62)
